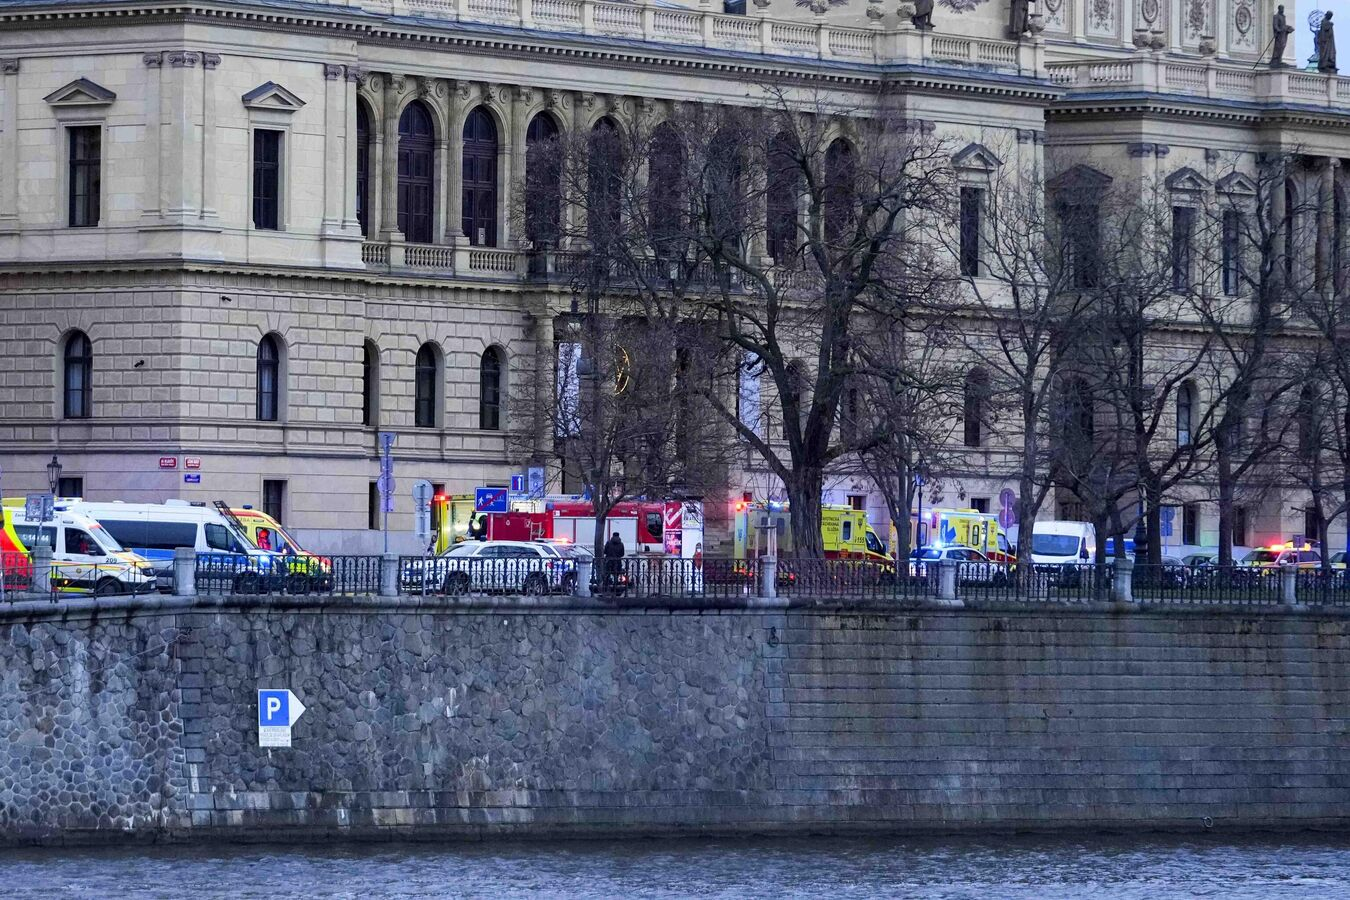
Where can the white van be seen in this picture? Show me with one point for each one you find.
(155, 530)
(1061, 543)
(85, 558)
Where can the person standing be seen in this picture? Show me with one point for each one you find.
(614, 552)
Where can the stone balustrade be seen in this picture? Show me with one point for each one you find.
(1208, 78)
(753, 33)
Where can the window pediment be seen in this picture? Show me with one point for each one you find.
(1080, 177)
(1236, 183)
(1188, 180)
(271, 96)
(976, 156)
(81, 92)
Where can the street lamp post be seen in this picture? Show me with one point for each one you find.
(54, 474)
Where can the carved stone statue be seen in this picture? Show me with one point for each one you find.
(1018, 23)
(1280, 29)
(923, 14)
(1326, 47)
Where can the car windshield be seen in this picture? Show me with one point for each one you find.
(1055, 544)
(105, 538)
(927, 553)
(1261, 556)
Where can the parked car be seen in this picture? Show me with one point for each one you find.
(495, 566)
(1274, 557)
(974, 566)
(1338, 559)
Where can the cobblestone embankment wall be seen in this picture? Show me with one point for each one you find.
(140, 722)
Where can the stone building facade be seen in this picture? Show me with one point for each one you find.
(270, 259)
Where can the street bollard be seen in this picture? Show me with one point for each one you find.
(768, 577)
(389, 575)
(185, 571)
(583, 585)
(947, 580)
(1122, 582)
(1288, 583)
(42, 570)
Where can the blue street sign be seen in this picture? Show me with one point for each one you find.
(274, 708)
(536, 480)
(192, 478)
(1166, 515)
(517, 484)
(491, 500)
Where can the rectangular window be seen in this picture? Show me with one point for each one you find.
(1239, 526)
(146, 535)
(980, 504)
(972, 200)
(1190, 524)
(857, 501)
(86, 175)
(733, 7)
(1232, 252)
(70, 487)
(266, 179)
(1080, 227)
(373, 506)
(1183, 234)
(274, 499)
(220, 538)
(1312, 524)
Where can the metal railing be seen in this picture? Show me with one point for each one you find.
(1205, 585)
(26, 576)
(456, 576)
(854, 579)
(232, 573)
(1045, 584)
(659, 577)
(1319, 587)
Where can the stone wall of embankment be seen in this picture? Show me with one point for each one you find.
(137, 719)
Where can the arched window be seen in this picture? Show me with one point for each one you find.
(604, 182)
(490, 390)
(1185, 414)
(976, 401)
(416, 180)
(665, 170)
(269, 379)
(543, 181)
(78, 376)
(426, 386)
(370, 384)
(479, 213)
(1307, 422)
(784, 188)
(723, 188)
(840, 197)
(363, 167)
(1290, 226)
(1080, 419)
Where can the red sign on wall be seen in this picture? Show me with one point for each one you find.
(168, 462)
(192, 462)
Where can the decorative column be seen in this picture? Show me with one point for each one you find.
(514, 183)
(209, 173)
(375, 162)
(460, 93)
(393, 87)
(336, 137)
(1326, 274)
(9, 144)
(181, 147)
(349, 81)
(1278, 211)
(150, 192)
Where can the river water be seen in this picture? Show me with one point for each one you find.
(1157, 868)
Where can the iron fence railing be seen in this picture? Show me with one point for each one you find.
(658, 577)
(1205, 585)
(232, 573)
(457, 576)
(854, 579)
(1045, 584)
(26, 576)
(1321, 587)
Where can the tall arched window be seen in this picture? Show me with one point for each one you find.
(370, 384)
(1307, 422)
(77, 376)
(604, 181)
(363, 167)
(416, 179)
(723, 188)
(479, 210)
(1185, 414)
(426, 386)
(1290, 226)
(543, 181)
(784, 188)
(665, 169)
(269, 379)
(976, 401)
(840, 193)
(1337, 239)
(490, 390)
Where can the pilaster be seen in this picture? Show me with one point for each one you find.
(181, 145)
(393, 87)
(9, 145)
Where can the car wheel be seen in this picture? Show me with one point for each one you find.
(107, 587)
(457, 584)
(297, 584)
(247, 583)
(569, 583)
(536, 585)
(1000, 578)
